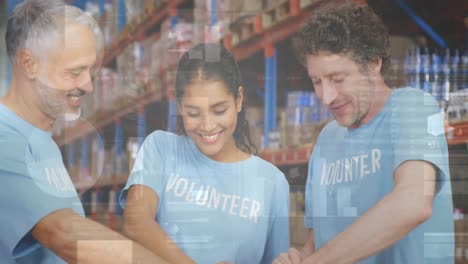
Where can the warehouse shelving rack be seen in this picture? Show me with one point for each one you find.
(263, 37)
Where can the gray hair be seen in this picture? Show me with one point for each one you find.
(36, 25)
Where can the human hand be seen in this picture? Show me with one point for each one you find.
(292, 257)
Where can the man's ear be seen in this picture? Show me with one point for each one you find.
(28, 63)
(376, 65)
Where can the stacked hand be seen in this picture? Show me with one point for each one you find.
(292, 257)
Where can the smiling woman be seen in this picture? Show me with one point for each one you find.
(211, 197)
(208, 86)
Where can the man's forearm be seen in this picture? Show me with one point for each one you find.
(384, 224)
(113, 251)
(98, 244)
(79, 240)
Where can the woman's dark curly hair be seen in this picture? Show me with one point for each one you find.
(351, 29)
(212, 62)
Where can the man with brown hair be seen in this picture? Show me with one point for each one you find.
(378, 188)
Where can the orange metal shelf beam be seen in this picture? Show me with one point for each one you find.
(457, 134)
(287, 157)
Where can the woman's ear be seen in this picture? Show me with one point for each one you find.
(240, 99)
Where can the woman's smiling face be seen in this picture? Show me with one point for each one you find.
(209, 113)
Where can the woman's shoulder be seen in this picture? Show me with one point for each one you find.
(161, 134)
(269, 169)
(165, 142)
(162, 137)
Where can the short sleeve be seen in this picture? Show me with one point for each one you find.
(149, 168)
(278, 240)
(27, 196)
(418, 132)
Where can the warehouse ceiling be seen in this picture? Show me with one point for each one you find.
(444, 16)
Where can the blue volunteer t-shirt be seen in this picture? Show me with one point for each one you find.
(35, 184)
(351, 170)
(234, 212)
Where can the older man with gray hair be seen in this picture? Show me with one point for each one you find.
(53, 49)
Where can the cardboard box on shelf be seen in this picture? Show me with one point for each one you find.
(306, 117)
(231, 10)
